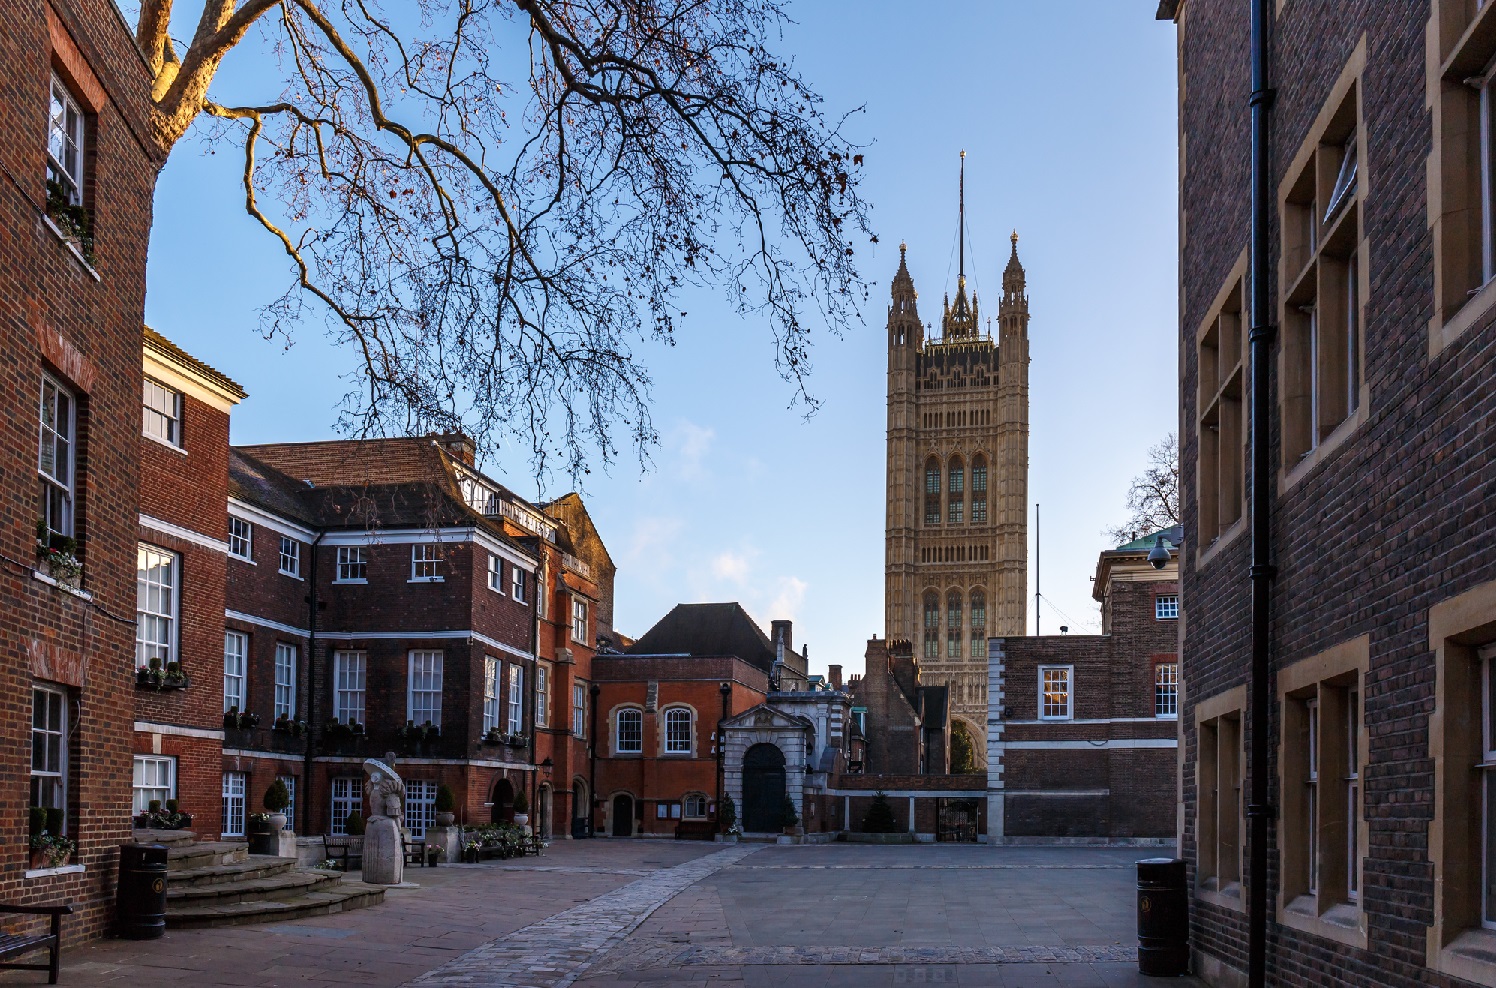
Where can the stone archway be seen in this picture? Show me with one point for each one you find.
(623, 815)
(502, 798)
(763, 789)
(581, 809)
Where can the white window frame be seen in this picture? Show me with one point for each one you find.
(542, 694)
(234, 786)
(420, 807)
(161, 413)
(52, 726)
(579, 710)
(287, 657)
(516, 699)
(1068, 672)
(56, 454)
(424, 684)
(235, 669)
(517, 583)
(66, 126)
(156, 625)
(1166, 607)
(490, 693)
(290, 556)
(675, 744)
(1311, 791)
(347, 797)
(633, 745)
(425, 563)
(350, 671)
(290, 810)
(695, 798)
(162, 787)
(496, 574)
(241, 538)
(353, 564)
(1166, 690)
(579, 621)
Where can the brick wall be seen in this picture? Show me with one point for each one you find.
(84, 327)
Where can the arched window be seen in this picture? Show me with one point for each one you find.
(932, 625)
(932, 491)
(678, 731)
(953, 625)
(978, 622)
(629, 737)
(978, 489)
(694, 806)
(956, 475)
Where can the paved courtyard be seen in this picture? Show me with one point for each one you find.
(610, 914)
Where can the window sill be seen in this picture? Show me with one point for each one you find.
(241, 559)
(1342, 922)
(1309, 461)
(427, 579)
(349, 582)
(72, 248)
(291, 575)
(37, 574)
(1205, 555)
(1229, 897)
(1442, 335)
(162, 442)
(1471, 956)
(72, 869)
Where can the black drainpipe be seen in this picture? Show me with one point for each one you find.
(305, 796)
(534, 698)
(1259, 811)
(592, 693)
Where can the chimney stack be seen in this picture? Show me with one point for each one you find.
(833, 676)
(782, 634)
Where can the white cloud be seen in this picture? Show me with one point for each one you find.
(649, 552)
(692, 444)
(731, 566)
(786, 603)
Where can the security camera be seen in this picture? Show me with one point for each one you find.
(1158, 556)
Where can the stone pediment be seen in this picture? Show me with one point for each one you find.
(763, 716)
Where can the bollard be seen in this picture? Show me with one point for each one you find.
(141, 898)
(1163, 918)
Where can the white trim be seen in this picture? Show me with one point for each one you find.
(427, 579)
(150, 727)
(412, 536)
(168, 371)
(185, 534)
(259, 516)
(1114, 744)
(78, 592)
(348, 636)
(906, 793)
(1068, 716)
(349, 582)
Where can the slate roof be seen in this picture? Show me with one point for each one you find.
(708, 629)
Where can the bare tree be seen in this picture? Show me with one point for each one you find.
(493, 201)
(1153, 498)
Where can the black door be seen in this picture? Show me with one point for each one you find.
(502, 810)
(623, 816)
(763, 789)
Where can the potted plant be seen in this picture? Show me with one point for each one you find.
(263, 838)
(175, 678)
(521, 809)
(354, 824)
(727, 818)
(791, 816)
(446, 802)
(277, 798)
(58, 555)
(71, 219)
(472, 851)
(234, 720)
(433, 855)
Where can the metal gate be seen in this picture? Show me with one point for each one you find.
(956, 820)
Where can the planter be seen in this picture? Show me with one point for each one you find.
(471, 855)
(277, 822)
(445, 819)
(433, 855)
(521, 819)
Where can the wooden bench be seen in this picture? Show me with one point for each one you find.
(696, 830)
(16, 944)
(343, 849)
(415, 852)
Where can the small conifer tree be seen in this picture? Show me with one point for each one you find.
(879, 818)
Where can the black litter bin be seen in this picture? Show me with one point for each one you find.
(142, 891)
(1163, 918)
(578, 828)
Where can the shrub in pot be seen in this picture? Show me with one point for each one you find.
(521, 808)
(277, 798)
(446, 802)
(354, 824)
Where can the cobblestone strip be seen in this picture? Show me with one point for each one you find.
(939, 867)
(557, 950)
(663, 953)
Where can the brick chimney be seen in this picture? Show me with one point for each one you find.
(833, 676)
(782, 633)
(458, 446)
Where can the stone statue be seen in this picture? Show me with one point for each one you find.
(384, 837)
(386, 790)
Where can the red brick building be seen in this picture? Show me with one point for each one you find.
(181, 568)
(75, 217)
(1380, 324)
(1082, 730)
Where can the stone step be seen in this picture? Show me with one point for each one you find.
(171, 838)
(331, 899)
(204, 854)
(255, 866)
(276, 886)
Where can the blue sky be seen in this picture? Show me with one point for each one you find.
(1067, 115)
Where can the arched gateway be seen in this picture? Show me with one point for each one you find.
(763, 789)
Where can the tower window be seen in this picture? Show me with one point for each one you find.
(932, 626)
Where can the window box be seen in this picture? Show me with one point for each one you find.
(235, 721)
(57, 556)
(418, 733)
(498, 737)
(339, 729)
(153, 677)
(286, 724)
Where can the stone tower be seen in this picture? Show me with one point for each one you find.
(956, 553)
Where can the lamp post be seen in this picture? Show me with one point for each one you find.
(726, 690)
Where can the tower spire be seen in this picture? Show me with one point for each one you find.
(961, 223)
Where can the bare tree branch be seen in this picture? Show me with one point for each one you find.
(1153, 498)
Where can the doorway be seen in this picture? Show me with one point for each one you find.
(623, 815)
(502, 796)
(581, 811)
(763, 789)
